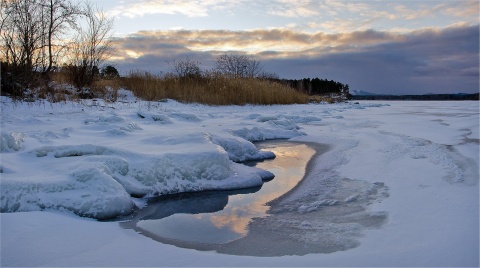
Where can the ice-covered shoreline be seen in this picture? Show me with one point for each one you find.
(424, 155)
(99, 176)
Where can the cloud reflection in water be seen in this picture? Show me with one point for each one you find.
(222, 216)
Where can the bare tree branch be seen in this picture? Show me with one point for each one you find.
(185, 68)
(238, 65)
(92, 46)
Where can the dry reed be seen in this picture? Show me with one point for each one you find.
(211, 89)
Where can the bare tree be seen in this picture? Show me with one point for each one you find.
(31, 34)
(185, 68)
(91, 48)
(268, 76)
(238, 65)
(21, 36)
(21, 32)
(62, 16)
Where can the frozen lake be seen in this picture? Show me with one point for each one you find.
(398, 185)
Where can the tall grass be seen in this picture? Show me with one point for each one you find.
(211, 89)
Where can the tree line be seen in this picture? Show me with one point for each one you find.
(316, 86)
(246, 66)
(424, 97)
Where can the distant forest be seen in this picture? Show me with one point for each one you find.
(315, 86)
(425, 97)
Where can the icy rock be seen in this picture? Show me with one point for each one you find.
(11, 141)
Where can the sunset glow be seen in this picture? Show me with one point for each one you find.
(413, 47)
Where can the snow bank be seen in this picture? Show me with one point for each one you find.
(87, 191)
(93, 157)
(240, 150)
(104, 158)
(97, 181)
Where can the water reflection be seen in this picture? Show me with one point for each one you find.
(219, 217)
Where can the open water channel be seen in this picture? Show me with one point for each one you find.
(205, 220)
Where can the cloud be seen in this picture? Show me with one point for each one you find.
(426, 60)
(185, 7)
(345, 16)
(293, 8)
(251, 41)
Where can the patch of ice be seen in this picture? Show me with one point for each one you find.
(114, 124)
(302, 119)
(317, 205)
(284, 123)
(253, 116)
(70, 150)
(457, 166)
(266, 118)
(185, 117)
(261, 134)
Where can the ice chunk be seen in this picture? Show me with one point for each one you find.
(240, 150)
(11, 141)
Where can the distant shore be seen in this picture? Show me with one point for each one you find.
(426, 97)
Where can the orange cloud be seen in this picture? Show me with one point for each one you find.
(282, 42)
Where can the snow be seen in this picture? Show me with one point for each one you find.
(410, 170)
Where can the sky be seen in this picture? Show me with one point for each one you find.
(388, 47)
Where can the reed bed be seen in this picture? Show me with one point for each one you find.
(211, 89)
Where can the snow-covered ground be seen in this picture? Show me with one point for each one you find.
(404, 176)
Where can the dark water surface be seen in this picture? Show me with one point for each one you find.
(219, 217)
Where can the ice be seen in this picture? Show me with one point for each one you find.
(86, 190)
(394, 174)
(70, 150)
(262, 133)
(240, 150)
(114, 175)
(149, 160)
(11, 141)
(160, 118)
